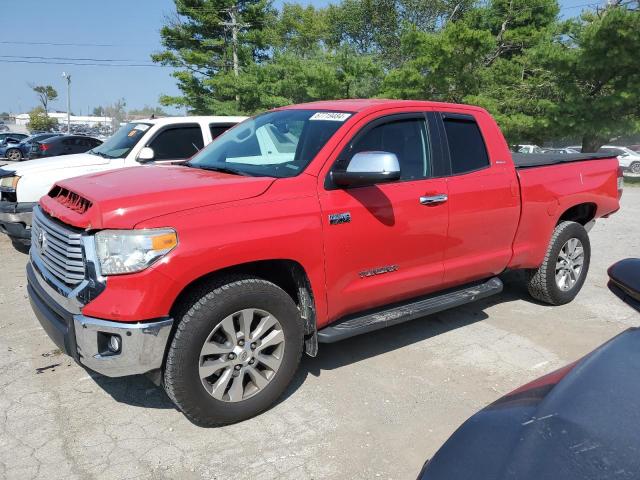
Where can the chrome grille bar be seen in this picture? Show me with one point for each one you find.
(59, 248)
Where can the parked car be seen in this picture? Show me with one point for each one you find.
(526, 149)
(164, 140)
(3, 127)
(560, 150)
(22, 150)
(9, 139)
(579, 422)
(310, 223)
(62, 145)
(629, 160)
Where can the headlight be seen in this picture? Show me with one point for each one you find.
(9, 183)
(129, 251)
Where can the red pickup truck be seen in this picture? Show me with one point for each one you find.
(306, 224)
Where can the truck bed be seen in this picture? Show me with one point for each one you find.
(529, 160)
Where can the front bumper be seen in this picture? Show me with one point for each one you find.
(85, 339)
(15, 220)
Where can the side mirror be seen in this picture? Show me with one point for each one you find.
(624, 281)
(368, 168)
(146, 155)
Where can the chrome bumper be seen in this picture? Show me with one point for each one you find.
(22, 217)
(142, 344)
(16, 212)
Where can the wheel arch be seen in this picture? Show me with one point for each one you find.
(582, 213)
(287, 274)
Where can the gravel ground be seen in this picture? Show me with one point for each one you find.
(375, 406)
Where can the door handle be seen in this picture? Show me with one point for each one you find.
(434, 199)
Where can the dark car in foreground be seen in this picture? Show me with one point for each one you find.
(63, 145)
(579, 422)
(21, 150)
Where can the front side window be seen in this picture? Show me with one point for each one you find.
(177, 143)
(466, 146)
(406, 138)
(275, 144)
(121, 143)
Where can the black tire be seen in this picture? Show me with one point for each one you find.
(542, 282)
(17, 154)
(202, 312)
(635, 167)
(21, 246)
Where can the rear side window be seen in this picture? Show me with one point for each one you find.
(466, 146)
(217, 130)
(177, 143)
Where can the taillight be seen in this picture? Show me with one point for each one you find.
(44, 147)
(620, 181)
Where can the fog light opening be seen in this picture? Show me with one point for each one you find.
(114, 344)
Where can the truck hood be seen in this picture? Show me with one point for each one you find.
(55, 163)
(125, 197)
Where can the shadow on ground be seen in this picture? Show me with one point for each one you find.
(140, 391)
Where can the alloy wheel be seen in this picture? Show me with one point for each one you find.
(14, 155)
(241, 355)
(569, 264)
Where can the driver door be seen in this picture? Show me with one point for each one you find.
(383, 245)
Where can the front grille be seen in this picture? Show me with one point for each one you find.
(59, 248)
(70, 199)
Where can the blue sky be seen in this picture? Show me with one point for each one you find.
(130, 26)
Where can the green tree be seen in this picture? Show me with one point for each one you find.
(46, 94)
(199, 42)
(446, 66)
(117, 112)
(593, 78)
(39, 121)
(147, 111)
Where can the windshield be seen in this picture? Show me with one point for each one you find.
(275, 144)
(121, 143)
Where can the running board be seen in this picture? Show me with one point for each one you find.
(352, 326)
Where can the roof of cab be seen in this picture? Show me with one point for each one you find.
(359, 105)
(194, 119)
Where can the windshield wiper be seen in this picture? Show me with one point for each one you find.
(100, 154)
(218, 169)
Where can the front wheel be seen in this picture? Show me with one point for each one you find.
(234, 352)
(564, 269)
(635, 167)
(14, 155)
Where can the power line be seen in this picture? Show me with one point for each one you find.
(74, 59)
(22, 42)
(38, 62)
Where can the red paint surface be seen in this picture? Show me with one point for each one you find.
(495, 218)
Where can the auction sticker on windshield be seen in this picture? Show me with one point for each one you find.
(332, 116)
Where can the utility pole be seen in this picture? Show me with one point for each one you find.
(68, 78)
(235, 26)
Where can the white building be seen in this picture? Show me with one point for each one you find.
(90, 120)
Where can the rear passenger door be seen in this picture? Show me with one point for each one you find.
(177, 143)
(484, 205)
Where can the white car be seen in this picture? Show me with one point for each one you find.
(628, 159)
(159, 140)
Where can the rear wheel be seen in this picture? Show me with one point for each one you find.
(564, 269)
(14, 155)
(235, 351)
(635, 167)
